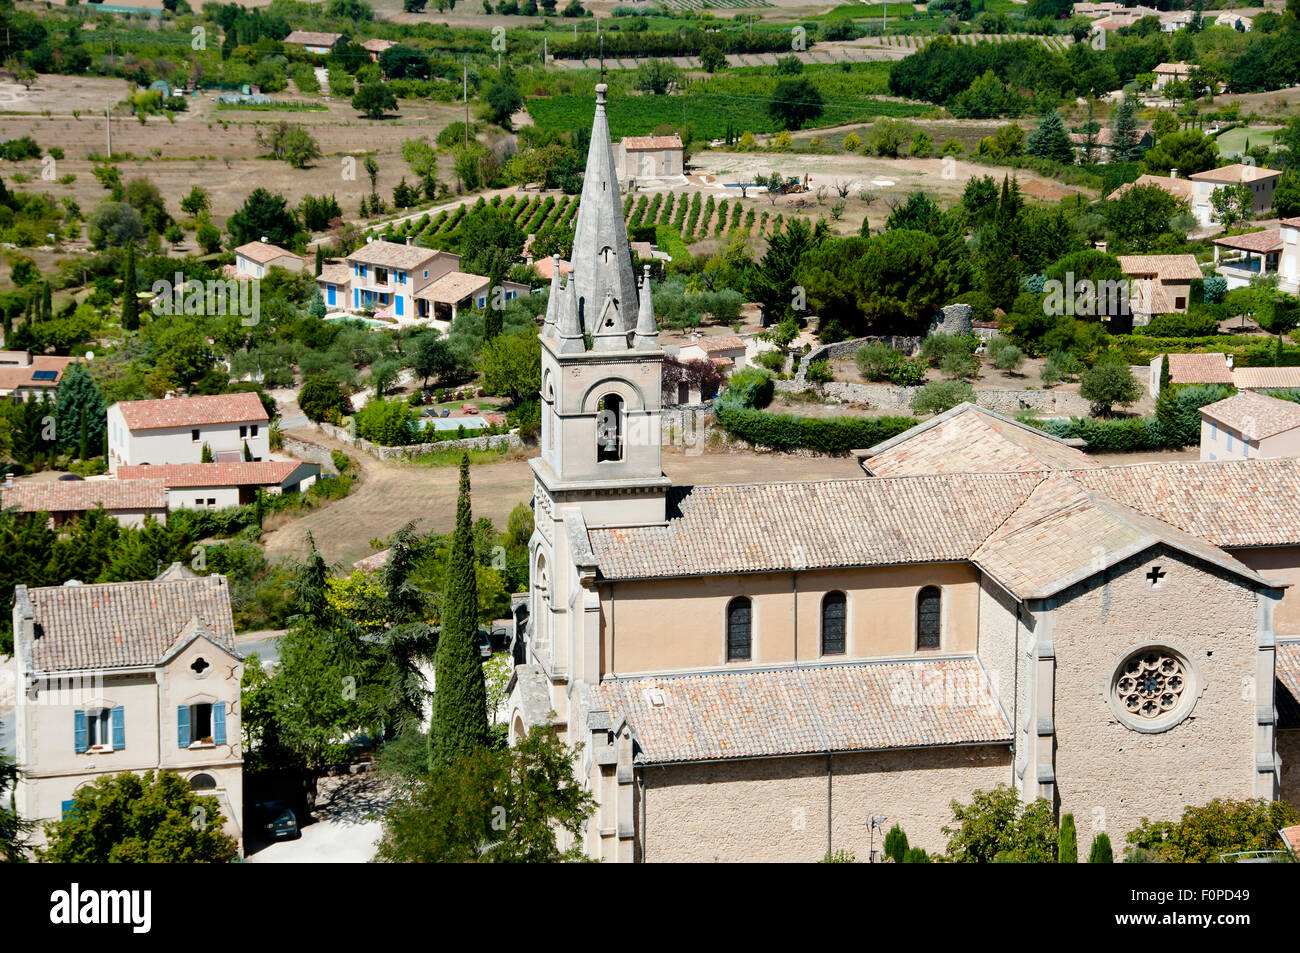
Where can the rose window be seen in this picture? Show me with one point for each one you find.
(1150, 684)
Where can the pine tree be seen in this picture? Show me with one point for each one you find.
(1050, 141)
(1101, 852)
(205, 455)
(460, 724)
(77, 405)
(916, 855)
(1067, 842)
(130, 303)
(1124, 141)
(896, 844)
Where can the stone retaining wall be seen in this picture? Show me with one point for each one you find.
(895, 399)
(311, 453)
(492, 442)
(907, 345)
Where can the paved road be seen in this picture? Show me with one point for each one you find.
(346, 828)
(265, 644)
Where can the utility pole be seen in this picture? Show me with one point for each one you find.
(464, 88)
(108, 125)
(543, 52)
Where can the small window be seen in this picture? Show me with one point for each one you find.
(212, 502)
(194, 435)
(834, 607)
(97, 729)
(203, 782)
(928, 607)
(198, 501)
(1180, 303)
(243, 431)
(739, 630)
(254, 430)
(200, 724)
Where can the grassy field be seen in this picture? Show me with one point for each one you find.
(736, 100)
(1234, 141)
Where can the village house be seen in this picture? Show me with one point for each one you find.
(335, 283)
(1219, 369)
(1261, 182)
(1235, 20)
(649, 157)
(1163, 283)
(313, 42)
(385, 278)
(23, 374)
(1248, 425)
(126, 676)
(176, 429)
(1167, 73)
(1102, 141)
(729, 353)
(215, 486)
(443, 299)
(255, 259)
(129, 503)
(750, 671)
(375, 47)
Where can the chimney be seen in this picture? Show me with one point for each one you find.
(1173, 173)
(1228, 358)
(9, 479)
(263, 239)
(408, 239)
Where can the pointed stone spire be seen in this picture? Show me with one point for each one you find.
(568, 323)
(602, 258)
(647, 332)
(609, 334)
(552, 300)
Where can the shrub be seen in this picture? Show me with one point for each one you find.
(751, 387)
(1215, 287)
(877, 361)
(896, 844)
(938, 396)
(997, 826)
(823, 434)
(1101, 852)
(342, 462)
(1005, 355)
(1108, 384)
(960, 366)
(1126, 435)
(1193, 324)
(1223, 826)
(916, 855)
(774, 361)
(1178, 411)
(1067, 842)
(819, 372)
(388, 423)
(938, 345)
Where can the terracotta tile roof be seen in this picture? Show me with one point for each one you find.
(1180, 188)
(13, 377)
(1236, 172)
(192, 411)
(263, 252)
(1270, 239)
(652, 142)
(1231, 503)
(336, 274)
(376, 45)
(1287, 672)
(310, 38)
(1290, 835)
(805, 710)
(241, 473)
(392, 255)
(778, 526)
(1280, 377)
(970, 439)
(124, 623)
(1063, 534)
(544, 266)
(453, 287)
(1199, 369)
(1164, 267)
(710, 345)
(66, 496)
(1175, 69)
(1254, 416)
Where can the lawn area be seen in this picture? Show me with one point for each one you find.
(1234, 141)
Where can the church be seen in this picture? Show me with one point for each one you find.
(752, 672)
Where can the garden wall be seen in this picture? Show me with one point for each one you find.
(311, 453)
(492, 442)
(908, 346)
(687, 428)
(895, 399)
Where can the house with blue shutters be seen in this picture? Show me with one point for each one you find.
(384, 277)
(126, 676)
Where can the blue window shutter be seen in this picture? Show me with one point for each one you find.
(79, 730)
(119, 728)
(219, 723)
(400, 301)
(66, 807)
(183, 726)
(331, 294)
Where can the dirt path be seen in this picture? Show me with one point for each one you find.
(391, 494)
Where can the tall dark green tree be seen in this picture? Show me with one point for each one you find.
(460, 724)
(1067, 841)
(1101, 852)
(130, 303)
(78, 407)
(1124, 141)
(13, 829)
(998, 258)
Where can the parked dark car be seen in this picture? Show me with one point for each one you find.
(70, 476)
(484, 642)
(276, 821)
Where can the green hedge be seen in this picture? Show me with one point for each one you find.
(1118, 435)
(790, 431)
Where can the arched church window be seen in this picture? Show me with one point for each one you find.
(606, 254)
(834, 607)
(203, 782)
(739, 629)
(609, 429)
(929, 604)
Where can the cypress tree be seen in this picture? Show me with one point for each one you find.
(47, 301)
(130, 303)
(1124, 142)
(320, 260)
(1067, 842)
(79, 406)
(896, 844)
(205, 455)
(248, 454)
(459, 725)
(1050, 141)
(1101, 852)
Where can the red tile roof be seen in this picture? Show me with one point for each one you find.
(250, 473)
(263, 252)
(12, 377)
(192, 411)
(66, 496)
(1198, 369)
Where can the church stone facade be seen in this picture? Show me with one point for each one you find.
(750, 672)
